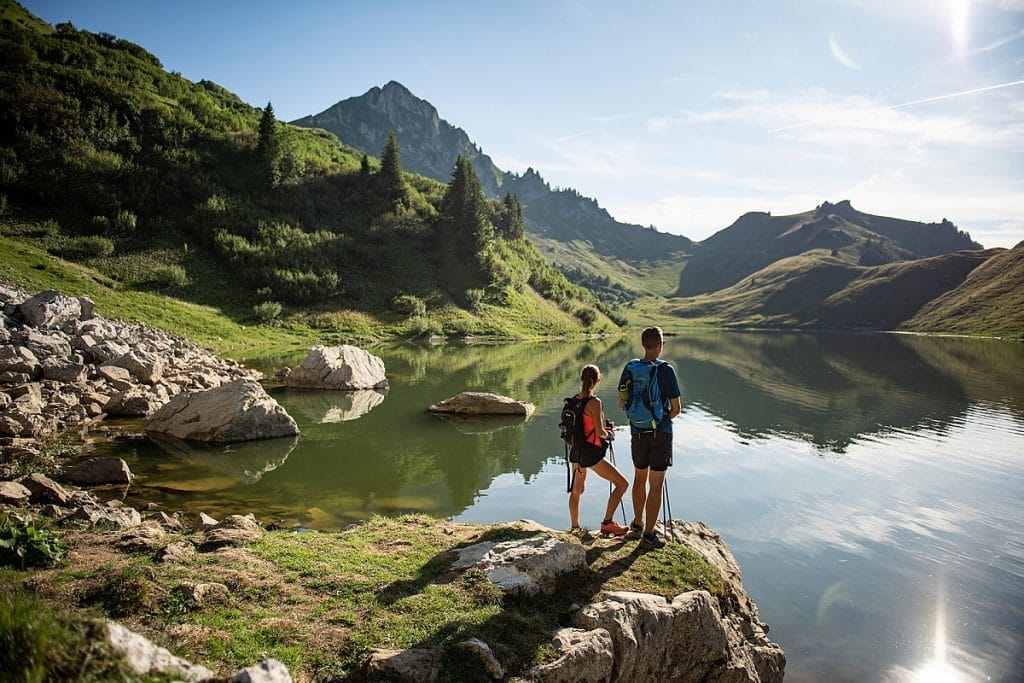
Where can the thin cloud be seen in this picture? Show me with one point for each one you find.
(840, 54)
(571, 136)
(893, 107)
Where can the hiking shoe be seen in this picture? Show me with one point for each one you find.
(652, 540)
(613, 528)
(635, 531)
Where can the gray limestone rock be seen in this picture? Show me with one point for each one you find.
(49, 309)
(267, 671)
(13, 493)
(44, 490)
(585, 657)
(100, 471)
(141, 538)
(148, 659)
(415, 665)
(482, 403)
(528, 565)
(178, 551)
(238, 411)
(344, 368)
(232, 530)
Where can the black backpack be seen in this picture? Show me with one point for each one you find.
(571, 431)
(571, 426)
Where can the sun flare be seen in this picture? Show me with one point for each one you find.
(959, 15)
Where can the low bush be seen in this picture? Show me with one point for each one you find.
(23, 545)
(266, 312)
(407, 304)
(83, 248)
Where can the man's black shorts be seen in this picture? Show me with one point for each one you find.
(652, 450)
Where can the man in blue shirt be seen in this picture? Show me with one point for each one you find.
(651, 448)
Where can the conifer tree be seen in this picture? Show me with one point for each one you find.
(510, 218)
(267, 147)
(364, 168)
(392, 185)
(463, 211)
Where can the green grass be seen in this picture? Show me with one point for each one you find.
(320, 602)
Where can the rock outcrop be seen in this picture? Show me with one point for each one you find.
(341, 368)
(693, 637)
(238, 411)
(482, 403)
(61, 365)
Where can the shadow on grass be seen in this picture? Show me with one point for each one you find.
(520, 628)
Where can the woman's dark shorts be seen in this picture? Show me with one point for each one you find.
(652, 450)
(588, 454)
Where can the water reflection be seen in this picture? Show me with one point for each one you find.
(329, 407)
(245, 462)
(867, 483)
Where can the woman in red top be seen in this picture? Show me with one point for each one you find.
(596, 433)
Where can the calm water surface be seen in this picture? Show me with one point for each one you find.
(870, 486)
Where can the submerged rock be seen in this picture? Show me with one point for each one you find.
(482, 403)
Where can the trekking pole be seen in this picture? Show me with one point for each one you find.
(666, 511)
(611, 455)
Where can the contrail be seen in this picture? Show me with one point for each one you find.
(913, 102)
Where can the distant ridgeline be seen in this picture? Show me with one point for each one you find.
(160, 183)
(830, 267)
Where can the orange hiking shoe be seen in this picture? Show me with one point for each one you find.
(613, 528)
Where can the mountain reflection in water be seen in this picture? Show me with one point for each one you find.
(869, 484)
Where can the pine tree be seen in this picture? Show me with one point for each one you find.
(268, 147)
(364, 168)
(510, 218)
(392, 186)
(463, 210)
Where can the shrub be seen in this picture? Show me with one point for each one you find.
(124, 222)
(474, 297)
(266, 312)
(122, 594)
(23, 545)
(586, 316)
(100, 225)
(84, 248)
(407, 304)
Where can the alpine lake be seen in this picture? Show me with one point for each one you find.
(871, 486)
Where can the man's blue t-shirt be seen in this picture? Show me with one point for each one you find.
(669, 386)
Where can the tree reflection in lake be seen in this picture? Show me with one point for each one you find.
(845, 471)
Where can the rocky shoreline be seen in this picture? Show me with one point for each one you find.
(63, 367)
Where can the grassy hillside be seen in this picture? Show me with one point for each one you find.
(163, 185)
(757, 240)
(816, 289)
(989, 301)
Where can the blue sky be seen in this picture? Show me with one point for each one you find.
(681, 114)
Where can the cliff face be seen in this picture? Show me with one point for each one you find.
(429, 144)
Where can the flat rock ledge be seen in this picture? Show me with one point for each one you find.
(340, 368)
(482, 403)
(237, 411)
(625, 636)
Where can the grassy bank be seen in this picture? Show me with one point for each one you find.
(321, 601)
(229, 328)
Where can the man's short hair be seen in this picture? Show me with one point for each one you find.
(650, 337)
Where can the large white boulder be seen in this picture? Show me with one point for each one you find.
(343, 368)
(237, 411)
